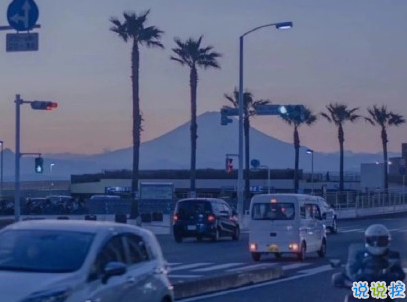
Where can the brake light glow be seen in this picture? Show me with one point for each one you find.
(253, 247)
(175, 218)
(273, 200)
(293, 246)
(211, 218)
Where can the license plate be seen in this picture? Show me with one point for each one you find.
(273, 248)
(191, 227)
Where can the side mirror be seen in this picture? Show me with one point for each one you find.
(324, 216)
(113, 269)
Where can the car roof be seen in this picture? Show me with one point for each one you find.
(72, 225)
(201, 199)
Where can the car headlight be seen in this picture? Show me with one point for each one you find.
(54, 295)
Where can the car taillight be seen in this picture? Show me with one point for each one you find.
(253, 247)
(175, 218)
(211, 218)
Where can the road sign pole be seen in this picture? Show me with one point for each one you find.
(404, 188)
(17, 210)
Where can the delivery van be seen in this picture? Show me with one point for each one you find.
(286, 223)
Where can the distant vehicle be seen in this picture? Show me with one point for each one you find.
(329, 217)
(77, 261)
(204, 218)
(286, 223)
(35, 205)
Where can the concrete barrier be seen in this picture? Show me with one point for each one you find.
(196, 287)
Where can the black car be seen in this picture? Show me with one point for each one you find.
(204, 218)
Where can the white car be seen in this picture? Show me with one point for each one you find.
(78, 261)
(329, 217)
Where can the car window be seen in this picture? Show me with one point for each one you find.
(189, 208)
(306, 211)
(316, 213)
(136, 248)
(112, 251)
(273, 211)
(45, 251)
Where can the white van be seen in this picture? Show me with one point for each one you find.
(286, 223)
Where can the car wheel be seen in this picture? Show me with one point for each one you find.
(301, 253)
(322, 250)
(334, 227)
(277, 255)
(199, 238)
(178, 238)
(216, 235)
(236, 234)
(256, 256)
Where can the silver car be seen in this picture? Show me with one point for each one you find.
(77, 261)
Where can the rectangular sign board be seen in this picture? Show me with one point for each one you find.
(268, 109)
(152, 190)
(22, 42)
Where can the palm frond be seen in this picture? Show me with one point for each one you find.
(370, 121)
(326, 116)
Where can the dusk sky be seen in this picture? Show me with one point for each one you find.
(347, 51)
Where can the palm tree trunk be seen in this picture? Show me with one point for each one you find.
(341, 139)
(297, 158)
(193, 82)
(385, 161)
(135, 61)
(247, 156)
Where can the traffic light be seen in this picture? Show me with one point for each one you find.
(43, 105)
(39, 161)
(229, 164)
(292, 111)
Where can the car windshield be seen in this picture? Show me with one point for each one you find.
(273, 211)
(191, 207)
(43, 250)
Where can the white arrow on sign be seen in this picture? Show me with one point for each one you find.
(17, 18)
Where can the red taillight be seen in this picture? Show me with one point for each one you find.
(175, 218)
(211, 218)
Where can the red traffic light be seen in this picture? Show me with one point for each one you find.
(51, 105)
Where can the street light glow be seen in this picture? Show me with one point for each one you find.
(284, 25)
(309, 151)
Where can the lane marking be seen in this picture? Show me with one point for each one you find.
(174, 263)
(184, 276)
(351, 230)
(251, 266)
(216, 267)
(188, 266)
(295, 265)
(249, 287)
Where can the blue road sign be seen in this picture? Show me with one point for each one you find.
(22, 14)
(255, 163)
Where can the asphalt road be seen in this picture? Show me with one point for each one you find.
(304, 281)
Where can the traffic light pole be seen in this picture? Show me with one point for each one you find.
(17, 210)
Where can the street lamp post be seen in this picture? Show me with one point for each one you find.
(310, 151)
(1, 172)
(281, 25)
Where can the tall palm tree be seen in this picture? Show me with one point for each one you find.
(296, 120)
(249, 110)
(339, 114)
(133, 29)
(192, 54)
(383, 118)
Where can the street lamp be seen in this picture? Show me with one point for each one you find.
(310, 151)
(50, 167)
(280, 25)
(1, 171)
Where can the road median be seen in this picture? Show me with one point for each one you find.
(189, 288)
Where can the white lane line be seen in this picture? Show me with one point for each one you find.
(216, 267)
(316, 270)
(174, 263)
(188, 266)
(184, 276)
(351, 230)
(251, 266)
(249, 287)
(294, 265)
(405, 269)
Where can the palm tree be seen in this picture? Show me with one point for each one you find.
(339, 114)
(384, 118)
(296, 120)
(249, 110)
(133, 29)
(193, 55)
